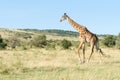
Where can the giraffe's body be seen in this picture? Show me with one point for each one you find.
(85, 36)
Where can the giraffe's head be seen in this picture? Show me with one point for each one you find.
(64, 17)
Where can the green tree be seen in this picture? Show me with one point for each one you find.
(66, 44)
(109, 41)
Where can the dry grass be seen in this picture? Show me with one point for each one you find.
(41, 64)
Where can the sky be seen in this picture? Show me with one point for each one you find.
(99, 16)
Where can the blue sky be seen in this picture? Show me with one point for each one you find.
(99, 16)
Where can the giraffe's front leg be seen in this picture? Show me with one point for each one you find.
(79, 47)
(83, 49)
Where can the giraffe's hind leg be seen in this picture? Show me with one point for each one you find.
(91, 51)
(99, 51)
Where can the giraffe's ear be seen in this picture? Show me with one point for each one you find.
(64, 13)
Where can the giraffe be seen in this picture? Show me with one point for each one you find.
(85, 36)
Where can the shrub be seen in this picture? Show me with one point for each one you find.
(2, 44)
(66, 44)
(51, 44)
(40, 41)
(109, 41)
(13, 42)
(118, 41)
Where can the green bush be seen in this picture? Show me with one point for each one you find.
(51, 44)
(118, 41)
(40, 41)
(66, 44)
(2, 44)
(13, 42)
(109, 41)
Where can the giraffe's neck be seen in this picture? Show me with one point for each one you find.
(74, 24)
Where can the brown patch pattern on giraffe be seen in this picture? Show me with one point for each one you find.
(85, 36)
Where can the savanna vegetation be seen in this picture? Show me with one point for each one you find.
(46, 55)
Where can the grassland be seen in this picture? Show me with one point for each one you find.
(42, 64)
(55, 64)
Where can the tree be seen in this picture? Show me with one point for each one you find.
(109, 41)
(66, 44)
